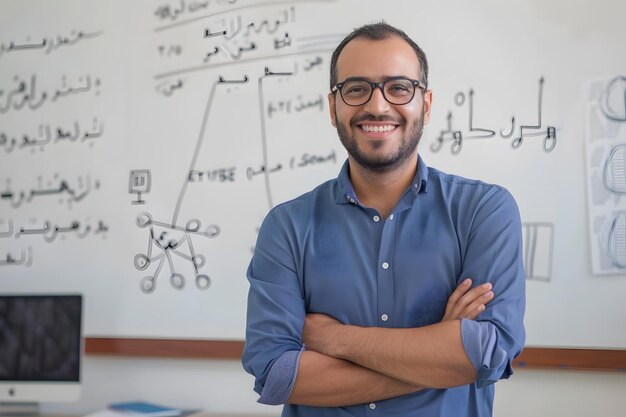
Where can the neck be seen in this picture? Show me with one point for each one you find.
(382, 191)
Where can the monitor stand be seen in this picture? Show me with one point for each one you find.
(19, 409)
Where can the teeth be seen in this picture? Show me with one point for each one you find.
(385, 128)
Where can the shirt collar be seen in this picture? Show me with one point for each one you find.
(345, 192)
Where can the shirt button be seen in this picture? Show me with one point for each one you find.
(384, 317)
(385, 265)
(372, 406)
(376, 219)
(391, 217)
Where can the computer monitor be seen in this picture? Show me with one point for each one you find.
(40, 349)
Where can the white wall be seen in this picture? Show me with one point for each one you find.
(223, 387)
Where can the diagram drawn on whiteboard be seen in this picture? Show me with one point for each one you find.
(173, 241)
(606, 179)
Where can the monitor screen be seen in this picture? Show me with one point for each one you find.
(40, 347)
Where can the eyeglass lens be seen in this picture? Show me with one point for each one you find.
(395, 91)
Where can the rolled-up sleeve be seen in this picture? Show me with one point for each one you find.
(275, 316)
(494, 254)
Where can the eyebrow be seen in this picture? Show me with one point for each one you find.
(383, 78)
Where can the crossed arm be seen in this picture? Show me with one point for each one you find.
(345, 365)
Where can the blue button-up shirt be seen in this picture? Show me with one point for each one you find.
(324, 252)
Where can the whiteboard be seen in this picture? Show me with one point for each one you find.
(142, 143)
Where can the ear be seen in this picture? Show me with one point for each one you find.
(428, 99)
(331, 108)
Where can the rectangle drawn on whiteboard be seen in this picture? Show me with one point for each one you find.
(538, 243)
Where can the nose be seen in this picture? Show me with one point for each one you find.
(377, 103)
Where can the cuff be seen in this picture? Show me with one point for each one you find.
(281, 378)
(480, 341)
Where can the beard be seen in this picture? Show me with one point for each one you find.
(381, 164)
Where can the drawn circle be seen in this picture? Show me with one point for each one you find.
(177, 280)
(613, 100)
(141, 262)
(198, 260)
(193, 225)
(203, 281)
(148, 284)
(457, 143)
(213, 231)
(143, 219)
(459, 98)
(456, 147)
(549, 143)
(250, 173)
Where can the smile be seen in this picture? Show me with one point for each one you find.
(377, 128)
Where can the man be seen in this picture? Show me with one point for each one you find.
(359, 301)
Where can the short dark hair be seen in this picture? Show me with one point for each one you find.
(376, 32)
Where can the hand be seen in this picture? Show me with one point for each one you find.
(318, 333)
(467, 302)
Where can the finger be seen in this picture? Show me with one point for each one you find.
(468, 301)
(477, 306)
(474, 313)
(461, 289)
(470, 296)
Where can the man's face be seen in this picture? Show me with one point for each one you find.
(378, 135)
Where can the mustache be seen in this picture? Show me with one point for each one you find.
(371, 118)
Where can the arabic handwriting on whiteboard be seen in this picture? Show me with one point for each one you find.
(73, 194)
(458, 136)
(47, 134)
(25, 93)
(296, 105)
(48, 44)
(25, 259)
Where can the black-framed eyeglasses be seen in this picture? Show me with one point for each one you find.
(396, 90)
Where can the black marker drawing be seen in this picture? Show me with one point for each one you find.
(168, 87)
(616, 243)
(613, 100)
(267, 73)
(46, 136)
(209, 54)
(166, 51)
(549, 141)
(209, 34)
(74, 194)
(25, 259)
(313, 63)
(283, 42)
(26, 93)
(49, 233)
(171, 243)
(174, 240)
(139, 181)
(538, 248)
(235, 56)
(165, 13)
(614, 173)
(49, 44)
(457, 137)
